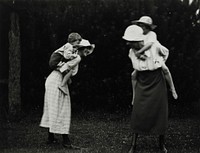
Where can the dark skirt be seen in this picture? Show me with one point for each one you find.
(150, 108)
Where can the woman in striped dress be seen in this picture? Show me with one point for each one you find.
(57, 104)
(150, 107)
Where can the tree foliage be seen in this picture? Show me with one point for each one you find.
(103, 80)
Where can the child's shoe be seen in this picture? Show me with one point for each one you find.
(174, 94)
(63, 89)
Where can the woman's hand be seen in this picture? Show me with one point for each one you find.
(143, 57)
(140, 56)
(137, 54)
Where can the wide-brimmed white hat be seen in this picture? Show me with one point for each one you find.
(133, 33)
(85, 43)
(146, 20)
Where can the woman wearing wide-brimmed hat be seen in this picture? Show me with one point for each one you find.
(57, 104)
(150, 107)
(147, 21)
(150, 37)
(70, 68)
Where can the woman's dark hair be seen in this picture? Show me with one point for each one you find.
(84, 47)
(145, 25)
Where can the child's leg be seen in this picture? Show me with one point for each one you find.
(169, 80)
(133, 81)
(63, 87)
(66, 78)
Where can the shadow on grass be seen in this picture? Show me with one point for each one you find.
(97, 133)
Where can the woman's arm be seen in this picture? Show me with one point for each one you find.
(74, 62)
(70, 64)
(146, 47)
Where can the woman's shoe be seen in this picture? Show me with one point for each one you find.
(54, 141)
(51, 139)
(133, 143)
(68, 146)
(162, 144)
(66, 142)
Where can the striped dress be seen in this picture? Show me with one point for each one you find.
(57, 106)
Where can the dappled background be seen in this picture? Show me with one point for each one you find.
(103, 81)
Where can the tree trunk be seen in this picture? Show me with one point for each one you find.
(14, 91)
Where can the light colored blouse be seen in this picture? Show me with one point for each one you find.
(150, 37)
(158, 55)
(67, 52)
(71, 65)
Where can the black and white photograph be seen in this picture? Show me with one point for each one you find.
(99, 76)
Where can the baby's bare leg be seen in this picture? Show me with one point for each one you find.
(133, 81)
(169, 80)
(66, 78)
(63, 87)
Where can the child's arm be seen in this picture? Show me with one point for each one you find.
(70, 64)
(69, 55)
(143, 49)
(149, 40)
(69, 52)
(74, 62)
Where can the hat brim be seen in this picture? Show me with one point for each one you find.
(152, 26)
(132, 39)
(90, 51)
(83, 46)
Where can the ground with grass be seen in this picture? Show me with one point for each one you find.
(97, 132)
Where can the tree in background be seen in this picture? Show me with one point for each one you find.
(105, 80)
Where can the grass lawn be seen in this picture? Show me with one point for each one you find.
(97, 132)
